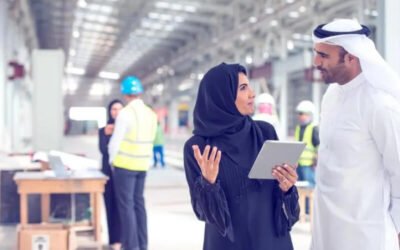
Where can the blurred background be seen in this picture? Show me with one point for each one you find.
(62, 61)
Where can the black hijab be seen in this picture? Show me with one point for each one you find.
(111, 120)
(217, 118)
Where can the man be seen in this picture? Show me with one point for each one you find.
(307, 132)
(130, 150)
(357, 201)
(266, 111)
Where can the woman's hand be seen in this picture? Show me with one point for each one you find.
(286, 176)
(109, 129)
(208, 162)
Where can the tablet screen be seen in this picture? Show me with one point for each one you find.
(275, 153)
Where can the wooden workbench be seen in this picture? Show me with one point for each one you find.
(91, 182)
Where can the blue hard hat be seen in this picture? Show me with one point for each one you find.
(131, 85)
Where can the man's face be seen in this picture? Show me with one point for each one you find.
(330, 61)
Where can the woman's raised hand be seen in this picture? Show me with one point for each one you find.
(208, 162)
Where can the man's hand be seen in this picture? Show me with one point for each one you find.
(286, 176)
(208, 162)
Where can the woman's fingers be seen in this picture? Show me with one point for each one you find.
(218, 158)
(206, 153)
(211, 159)
(287, 173)
(291, 170)
(197, 154)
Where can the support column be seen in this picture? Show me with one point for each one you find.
(48, 111)
(388, 32)
(282, 81)
(3, 71)
(316, 95)
(173, 116)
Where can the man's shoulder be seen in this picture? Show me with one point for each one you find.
(381, 99)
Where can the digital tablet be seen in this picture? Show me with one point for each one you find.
(275, 153)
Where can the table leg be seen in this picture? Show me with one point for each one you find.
(302, 203)
(311, 207)
(45, 207)
(23, 209)
(97, 216)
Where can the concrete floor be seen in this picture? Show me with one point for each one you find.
(172, 224)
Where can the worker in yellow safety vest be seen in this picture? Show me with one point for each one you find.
(307, 132)
(130, 150)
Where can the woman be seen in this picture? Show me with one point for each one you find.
(105, 133)
(240, 213)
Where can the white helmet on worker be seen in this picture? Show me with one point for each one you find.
(305, 106)
(265, 98)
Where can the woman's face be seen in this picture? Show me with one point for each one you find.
(115, 108)
(245, 96)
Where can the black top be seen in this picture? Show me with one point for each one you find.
(240, 213)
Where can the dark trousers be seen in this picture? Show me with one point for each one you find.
(158, 150)
(306, 173)
(113, 217)
(129, 187)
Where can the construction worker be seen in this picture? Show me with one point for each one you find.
(265, 110)
(307, 132)
(130, 149)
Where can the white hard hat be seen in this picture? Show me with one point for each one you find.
(265, 98)
(306, 106)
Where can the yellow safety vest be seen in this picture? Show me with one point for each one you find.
(309, 153)
(135, 150)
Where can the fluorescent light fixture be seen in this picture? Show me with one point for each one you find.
(296, 36)
(162, 5)
(249, 59)
(154, 15)
(253, 19)
(274, 23)
(185, 85)
(109, 75)
(82, 3)
(179, 19)
(190, 8)
(294, 14)
(269, 10)
(290, 45)
(302, 9)
(175, 6)
(374, 13)
(76, 34)
(99, 89)
(75, 71)
(160, 87)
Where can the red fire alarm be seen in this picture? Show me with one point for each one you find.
(17, 70)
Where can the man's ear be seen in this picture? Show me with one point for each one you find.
(351, 58)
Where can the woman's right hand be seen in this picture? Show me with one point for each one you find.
(208, 162)
(109, 129)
